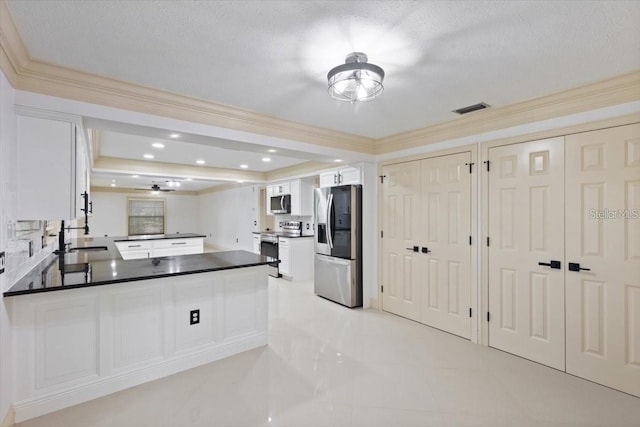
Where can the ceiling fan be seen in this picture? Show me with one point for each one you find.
(156, 187)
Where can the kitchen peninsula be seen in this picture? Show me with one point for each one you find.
(88, 323)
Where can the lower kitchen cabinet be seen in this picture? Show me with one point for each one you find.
(296, 257)
(157, 248)
(256, 243)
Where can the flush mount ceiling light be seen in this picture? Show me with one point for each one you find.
(356, 79)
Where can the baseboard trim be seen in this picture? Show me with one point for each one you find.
(10, 418)
(32, 408)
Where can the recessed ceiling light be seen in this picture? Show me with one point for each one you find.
(148, 156)
(135, 176)
(200, 162)
(239, 181)
(157, 145)
(243, 166)
(338, 160)
(113, 185)
(271, 150)
(174, 135)
(188, 179)
(266, 159)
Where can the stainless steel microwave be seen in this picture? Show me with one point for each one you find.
(281, 204)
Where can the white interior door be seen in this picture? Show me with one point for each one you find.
(400, 223)
(526, 227)
(445, 201)
(603, 236)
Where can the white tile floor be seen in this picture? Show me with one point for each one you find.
(327, 365)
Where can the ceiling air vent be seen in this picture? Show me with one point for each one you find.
(471, 108)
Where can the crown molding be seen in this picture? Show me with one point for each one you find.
(33, 75)
(604, 93)
(128, 166)
(139, 192)
(29, 74)
(296, 171)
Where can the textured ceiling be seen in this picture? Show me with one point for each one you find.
(272, 56)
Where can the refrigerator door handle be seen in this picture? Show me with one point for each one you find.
(329, 224)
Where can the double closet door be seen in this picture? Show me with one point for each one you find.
(564, 253)
(426, 226)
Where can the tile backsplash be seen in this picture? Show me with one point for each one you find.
(28, 242)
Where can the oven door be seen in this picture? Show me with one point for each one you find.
(270, 249)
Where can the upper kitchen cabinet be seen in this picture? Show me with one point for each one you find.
(281, 188)
(52, 165)
(348, 175)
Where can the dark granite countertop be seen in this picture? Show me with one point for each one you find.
(280, 234)
(103, 267)
(158, 237)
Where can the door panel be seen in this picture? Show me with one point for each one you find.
(400, 223)
(526, 211)
(445, 279)
(603, 235)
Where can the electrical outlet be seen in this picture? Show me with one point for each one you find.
(1, 262)
(194, 317)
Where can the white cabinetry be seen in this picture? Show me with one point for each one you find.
(301, 197)
(135, 249)
(281, 188)
(349, 175)
(284, 254)
(296, 257)
(51, 166)
(268, 201)
(256, 243)
(301, 192)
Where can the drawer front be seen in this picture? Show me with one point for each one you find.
(177, 243)
(134, 246)
(135, 254)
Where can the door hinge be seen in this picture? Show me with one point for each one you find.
(382, 177)
(488, 241)
(382, 289)
(469, 240)
(488, 163)
(381, 234)
(470, 167)
(488, 316)
(470, 311)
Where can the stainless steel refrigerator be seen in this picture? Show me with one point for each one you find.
(338, 244)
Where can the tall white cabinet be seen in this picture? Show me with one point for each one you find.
(52, 165)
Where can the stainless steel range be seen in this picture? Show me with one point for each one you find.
(269, 242)
(269, 247)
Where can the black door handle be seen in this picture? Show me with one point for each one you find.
(553, 264)
(426, 250)
(573, 266)
(414, 249)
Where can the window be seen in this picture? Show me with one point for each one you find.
(145, 216)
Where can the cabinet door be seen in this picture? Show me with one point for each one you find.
(256, 243)
(281, 188)
(268, 201)
(349, 176)
(328, 179)
(81, 180)
(296, 202)
(45, 169)
(284, 254)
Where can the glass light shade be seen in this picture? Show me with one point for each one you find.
(356, 79)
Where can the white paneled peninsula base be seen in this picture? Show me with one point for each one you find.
(80, 344)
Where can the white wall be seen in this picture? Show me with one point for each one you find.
(110, 213)
(228, 217)
(8, 155)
